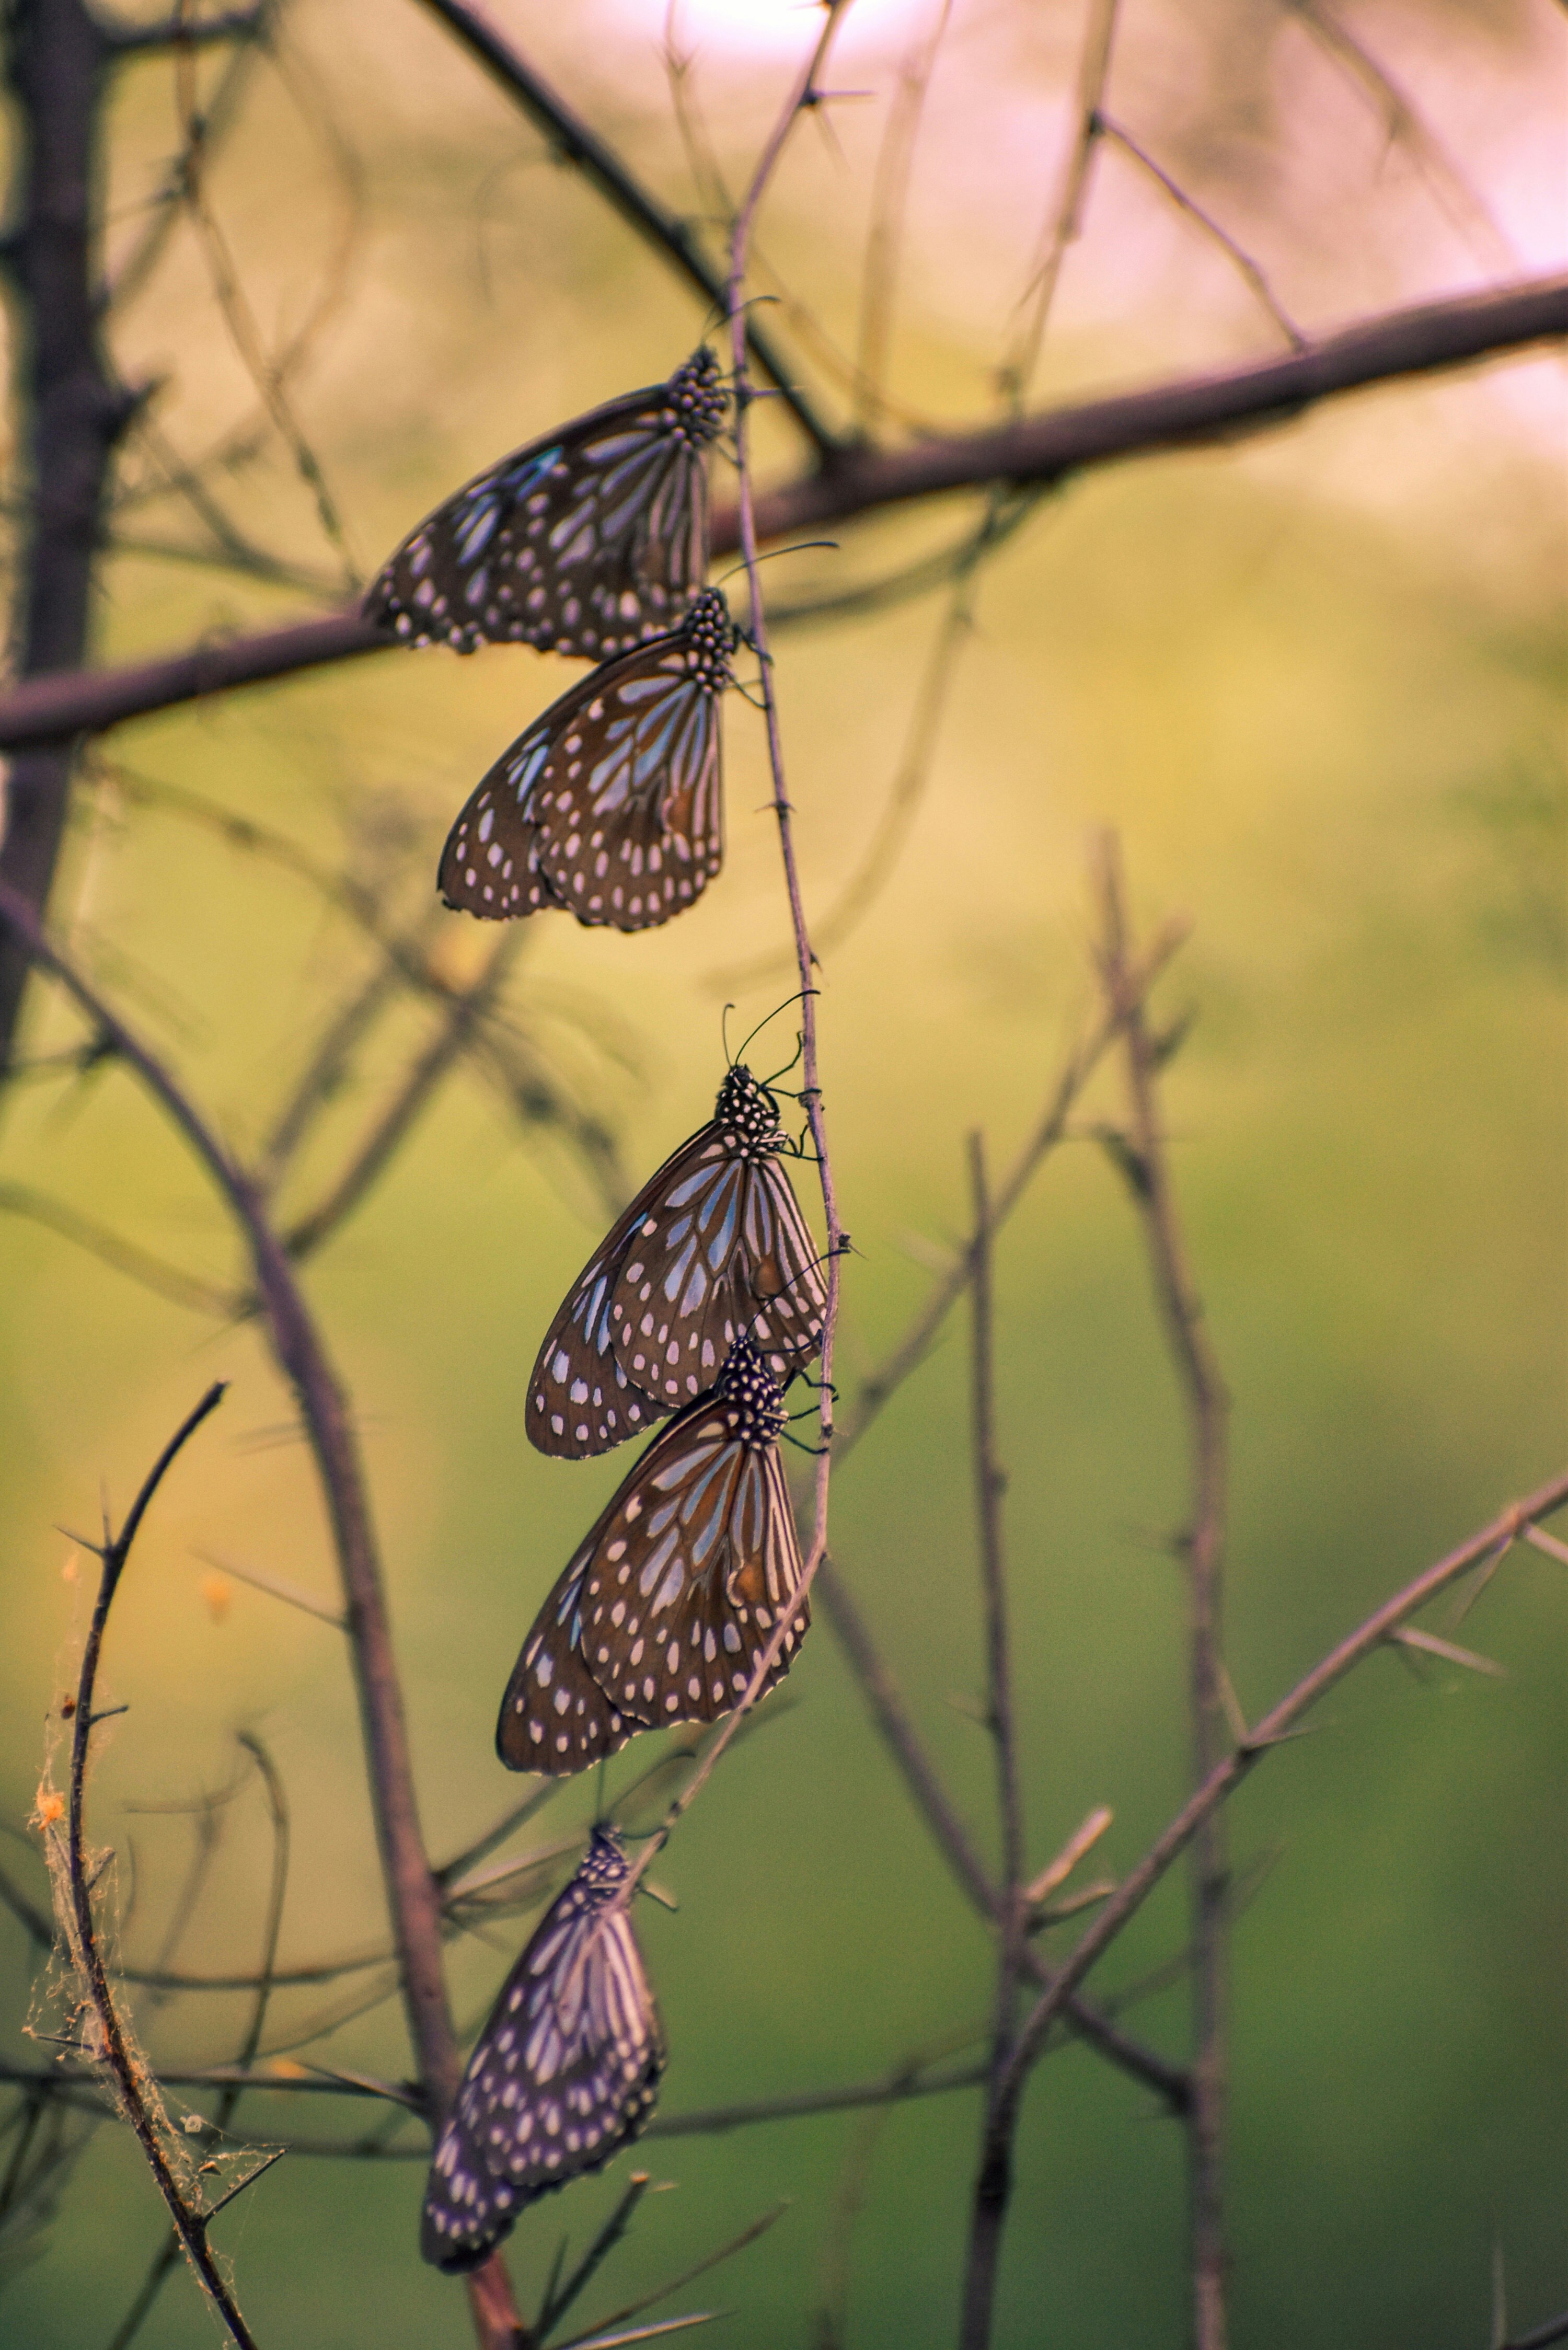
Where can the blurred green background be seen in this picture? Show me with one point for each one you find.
(1315, 685)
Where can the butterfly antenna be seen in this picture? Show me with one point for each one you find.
(802, 547)
(724, 1035)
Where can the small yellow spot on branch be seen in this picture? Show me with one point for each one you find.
(218, 1593)
(49, 1808)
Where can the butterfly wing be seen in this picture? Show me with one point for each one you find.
(722, 1254)
(628, 803)
(589, 540)
(580, 1401)
(610, 803)
(554, 1716)
(687, 1571)
(564, 2073)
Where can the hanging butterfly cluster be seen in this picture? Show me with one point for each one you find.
(705, 1298)
(592, 541)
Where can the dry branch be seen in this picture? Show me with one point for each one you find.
(1047, 448)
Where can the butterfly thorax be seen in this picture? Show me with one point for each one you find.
(695, 400)
(708, 635)
(752, 1398)
(604, 1870)
(747, 1117)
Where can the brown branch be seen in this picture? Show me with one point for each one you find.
(1186, 413)
(140, 2109)
(1276, 1728)
(603, 169)
(1208, 1408)
(75, 413)
(413, 1897)
(1540, 2337)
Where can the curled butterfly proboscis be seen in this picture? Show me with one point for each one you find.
(564, 2073)
(665, 1608)
(589, 540)
(713, 1249)
(610, 805)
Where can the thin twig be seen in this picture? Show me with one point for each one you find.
(170, 1282)
(452, 1039)
(994, 2185)
(1080, 1065)
(139, 2107)
(1017, 371)
(1187, 412)
(889, 202)
(559, 2298)
(1208, 1407)
(1246, 267)
(266, 372)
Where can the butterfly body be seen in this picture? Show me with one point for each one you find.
(712, 1250)
(564, 2073)
(664, 1610)
(609, 804)
(589, 541)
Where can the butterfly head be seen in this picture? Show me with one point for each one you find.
(752, 1397)
(748, 1112)
(696, 399)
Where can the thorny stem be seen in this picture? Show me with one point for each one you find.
(801, 98)
(1274, 1729)
(1208, 1407)
(994, 2185)
(413, 1897)
(192, 2224)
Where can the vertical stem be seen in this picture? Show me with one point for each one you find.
(991, 1484)
(1208, 1407)
(74, 412)
(994, 2185)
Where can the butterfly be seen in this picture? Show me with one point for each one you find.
(609, 804)
(713, 1249)
(665, 1606)
(586, 541)
(564, 2073)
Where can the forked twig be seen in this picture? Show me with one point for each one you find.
(1276, 1728)
(1208, 1407)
